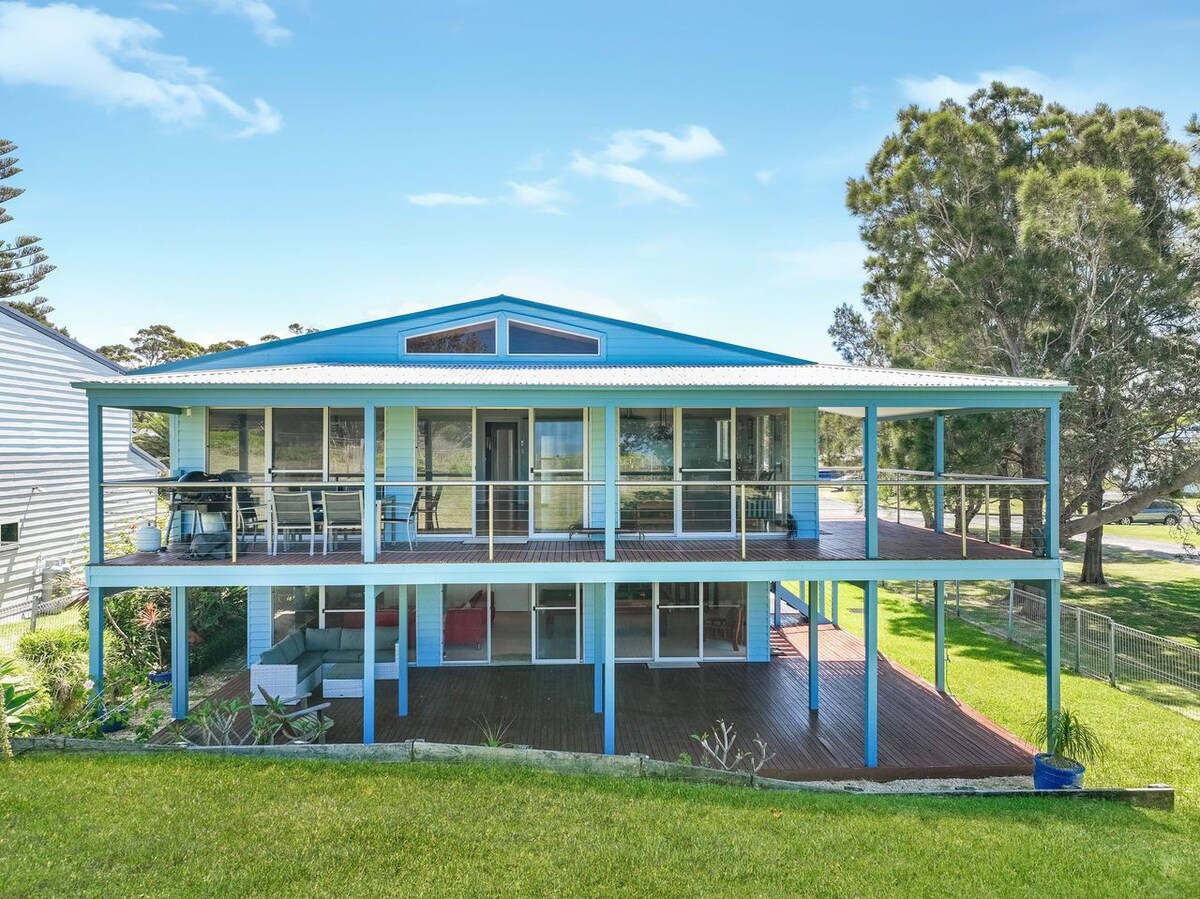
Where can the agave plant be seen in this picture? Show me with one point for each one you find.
(13, 700)
(1067, 738)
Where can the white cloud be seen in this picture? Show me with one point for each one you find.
(546, 196)
(932, 91)
(765, 176)
(695, 143)
(839, 260)
(860, 97)
(108, 60)
(259, 14)
(643, 185)
(443, 199)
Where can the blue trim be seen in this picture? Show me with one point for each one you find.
(1053, 648)
(814, 631)
(179, 653)
(939, 468)
(939, 634)
(95, 471)
(871, 674)
(610, 668)
(368, 685)
(611, 496)
(833, 602)
(96, 638)
(434, 574)
(870, 444)
(598, 655)
(1052, 478)
(465, 307)
(402, 655)
(370, 519)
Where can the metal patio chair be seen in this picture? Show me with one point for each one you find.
(343, 511)
(292, 512)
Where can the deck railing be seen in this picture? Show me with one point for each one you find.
(235, 518)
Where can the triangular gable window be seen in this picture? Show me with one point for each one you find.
(477, 339)
(526, 339)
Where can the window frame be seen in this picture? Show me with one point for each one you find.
(556, 330)
(455, 326)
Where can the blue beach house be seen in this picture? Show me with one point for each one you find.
(603, 534)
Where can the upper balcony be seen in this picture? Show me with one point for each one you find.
(240, 521)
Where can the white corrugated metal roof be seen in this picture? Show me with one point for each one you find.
(602, 376)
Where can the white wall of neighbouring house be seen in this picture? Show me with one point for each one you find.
(43, 458)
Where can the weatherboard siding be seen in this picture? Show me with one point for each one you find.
(804, 452)
(43, 459)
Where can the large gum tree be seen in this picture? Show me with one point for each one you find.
(1017, 237)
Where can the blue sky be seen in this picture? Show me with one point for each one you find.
(229, 166)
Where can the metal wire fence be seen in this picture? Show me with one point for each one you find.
(1156, 668)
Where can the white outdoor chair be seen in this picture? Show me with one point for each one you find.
(343, 511)
(391, 514)
(292, 512)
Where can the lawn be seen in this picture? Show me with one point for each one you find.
(12, 632)
(1155, 595)
(1146, 743)
(174, 826)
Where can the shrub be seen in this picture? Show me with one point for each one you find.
(54, 647)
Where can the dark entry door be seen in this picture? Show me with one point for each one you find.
(502, 462)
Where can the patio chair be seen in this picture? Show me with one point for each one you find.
(391, 514)
(292, 512)
(343, 511)
(429, 507)
(731, 626)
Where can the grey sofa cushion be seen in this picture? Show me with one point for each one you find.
(352, 638)
(386, 637)
(292, 646)
(387, 654)
(307, 663)
(337, 656)
(319, 640)
(273, 656)
(345, 671)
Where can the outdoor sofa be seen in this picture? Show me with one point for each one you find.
(332, 657)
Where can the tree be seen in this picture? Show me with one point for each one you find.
(23, 262)
(1016, 237)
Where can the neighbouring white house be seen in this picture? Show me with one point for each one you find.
(43, 458)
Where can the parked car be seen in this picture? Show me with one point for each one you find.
(1160, 511)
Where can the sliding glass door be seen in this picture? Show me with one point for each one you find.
(706, 455)
(297, 444)
(557, 437)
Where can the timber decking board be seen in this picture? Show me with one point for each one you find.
(840, 540)
(921, 733)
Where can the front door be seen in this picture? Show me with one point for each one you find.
(509, 503)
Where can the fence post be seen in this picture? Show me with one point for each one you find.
(1112, 653)
(1079, 640)
(957, 610)
(1012, 592)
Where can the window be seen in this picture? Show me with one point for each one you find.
(10, 534)
(525, 339)
(476, 339)
(293, 609)
(237, 441)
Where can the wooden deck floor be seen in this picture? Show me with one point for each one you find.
(921, 734)
(842, 539)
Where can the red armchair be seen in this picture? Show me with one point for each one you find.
(466, 626)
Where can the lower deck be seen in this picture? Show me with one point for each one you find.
(658, 708)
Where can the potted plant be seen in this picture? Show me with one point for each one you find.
(1070, 745)
(151, 620)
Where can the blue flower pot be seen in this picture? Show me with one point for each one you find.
(1048, 776)
(160, 679)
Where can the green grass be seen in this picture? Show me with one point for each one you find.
(1155, 595)
(11, 633)
(1146, 743)
(1182, 536)
(185, 826)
